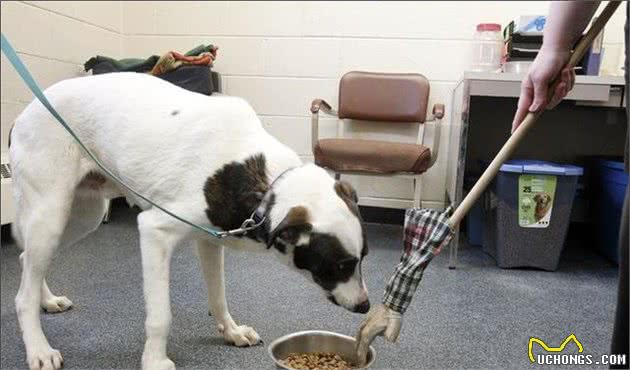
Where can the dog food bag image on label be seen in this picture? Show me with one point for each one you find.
(535, 200)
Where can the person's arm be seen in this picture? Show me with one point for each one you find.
(565, 23)
(426, 232)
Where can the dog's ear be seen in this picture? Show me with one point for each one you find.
(292, 226)
(346, 191)
(537, 197)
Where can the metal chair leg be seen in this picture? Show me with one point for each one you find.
(417, 192)
(452, 252)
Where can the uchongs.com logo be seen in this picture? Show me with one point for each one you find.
(560, 355)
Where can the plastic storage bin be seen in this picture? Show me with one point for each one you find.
(527, 213)
(474, 225)
(609, 183)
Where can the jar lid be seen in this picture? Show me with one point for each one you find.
(489, 27)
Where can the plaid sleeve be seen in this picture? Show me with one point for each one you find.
(425, 233)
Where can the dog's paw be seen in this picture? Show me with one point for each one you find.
(44, 358)
(240, 335)
(157, 364)
(56, 304)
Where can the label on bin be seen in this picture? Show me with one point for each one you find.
(535, 200)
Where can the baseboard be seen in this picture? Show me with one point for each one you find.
(8, 211)
(392, 216)
(385, 202)
(378, 215)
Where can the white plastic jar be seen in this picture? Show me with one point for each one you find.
(487, 48)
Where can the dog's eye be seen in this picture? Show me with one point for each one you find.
(348, 264)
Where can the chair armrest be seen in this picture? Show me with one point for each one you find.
(438, 111)
(316, 106)
(438, 114)
(321, 104)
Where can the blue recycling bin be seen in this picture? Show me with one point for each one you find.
(609, 182)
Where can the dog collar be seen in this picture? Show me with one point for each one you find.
(259, 223)
(259, 217)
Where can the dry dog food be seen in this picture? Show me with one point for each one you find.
(316, 361)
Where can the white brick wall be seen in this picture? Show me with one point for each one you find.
(281, 55)
(54, 39)
(277, 55)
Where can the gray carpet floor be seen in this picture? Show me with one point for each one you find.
(478, 316)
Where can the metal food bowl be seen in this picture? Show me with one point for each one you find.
(316, 341)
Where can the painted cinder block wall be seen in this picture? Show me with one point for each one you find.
(281, 55)
(54, 39)
(277, 55)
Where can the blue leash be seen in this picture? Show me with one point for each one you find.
(248, 224)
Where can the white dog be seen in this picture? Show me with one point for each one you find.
(207, 159)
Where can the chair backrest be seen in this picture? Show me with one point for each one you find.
(393, 97)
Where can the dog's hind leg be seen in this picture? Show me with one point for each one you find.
(43, 218)
(86, 214)
(49, 302)
(88, 209)
(158, 238)
(212, 260)
(52, 303)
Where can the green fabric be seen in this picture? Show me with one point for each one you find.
(137, 64)
(123, 65)
(200, 49)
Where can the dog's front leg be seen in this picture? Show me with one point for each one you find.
(211, 258)
(157, 242)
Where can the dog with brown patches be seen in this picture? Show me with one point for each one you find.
(211, 163)
(543, 204)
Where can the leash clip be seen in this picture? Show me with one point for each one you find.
(247, 225)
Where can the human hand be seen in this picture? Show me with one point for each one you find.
(381, 320)
(534, 88)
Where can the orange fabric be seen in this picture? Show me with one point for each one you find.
(201, 59)
(172, 60)
(371, 156)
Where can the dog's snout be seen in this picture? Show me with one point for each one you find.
(362, 307)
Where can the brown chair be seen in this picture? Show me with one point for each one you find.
(395, 98)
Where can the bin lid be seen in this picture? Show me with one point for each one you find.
(616, 165)
(541, 167)
(612, 172)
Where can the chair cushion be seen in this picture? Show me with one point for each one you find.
(390, 97)
(371, 156)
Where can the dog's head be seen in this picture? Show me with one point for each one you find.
(316, 228)
(542, 201)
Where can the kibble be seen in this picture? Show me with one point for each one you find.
(316, 361)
